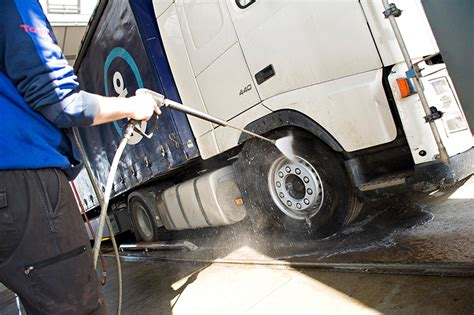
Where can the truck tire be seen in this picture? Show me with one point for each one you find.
(310, 197)
(144, 221)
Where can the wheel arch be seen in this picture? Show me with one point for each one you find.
(290, 118)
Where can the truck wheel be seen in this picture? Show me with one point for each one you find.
(143, 220)
(309, 197)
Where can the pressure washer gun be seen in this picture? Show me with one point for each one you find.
(140, 127)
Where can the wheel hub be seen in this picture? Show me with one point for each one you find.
(296, 187)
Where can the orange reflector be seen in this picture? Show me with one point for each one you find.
(239, 201)
(404, 87)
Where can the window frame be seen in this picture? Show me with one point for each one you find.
(237, 2)
(64, 8)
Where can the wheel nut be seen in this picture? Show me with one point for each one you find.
(282, 195)
(280, 174)
(306, 179)
(298, 205)
(297, 171)
(309, 191)
(287, 169)
(278, 184)
(289, 203)
(306, 201)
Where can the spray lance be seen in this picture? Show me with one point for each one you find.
(283, 144)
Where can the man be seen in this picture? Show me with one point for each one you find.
(45, 254)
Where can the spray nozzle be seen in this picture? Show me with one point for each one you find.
(285, 145)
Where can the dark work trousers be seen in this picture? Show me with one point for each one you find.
(45, 254)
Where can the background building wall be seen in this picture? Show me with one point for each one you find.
(69, 19)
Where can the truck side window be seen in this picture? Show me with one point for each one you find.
(244, 3)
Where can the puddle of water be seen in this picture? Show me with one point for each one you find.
(374, 233)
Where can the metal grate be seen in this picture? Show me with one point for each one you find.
(64, 6)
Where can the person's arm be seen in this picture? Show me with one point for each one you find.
(35, 64)
(139, 107)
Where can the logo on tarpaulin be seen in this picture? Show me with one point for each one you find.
(119, 85)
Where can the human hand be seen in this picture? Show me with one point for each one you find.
(142, 107)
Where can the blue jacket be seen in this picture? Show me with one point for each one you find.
(39, 93)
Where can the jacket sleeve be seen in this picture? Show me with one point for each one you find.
(36, 65)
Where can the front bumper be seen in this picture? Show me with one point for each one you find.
(424, 178)
(436, 174)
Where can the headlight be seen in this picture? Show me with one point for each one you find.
(453, 119)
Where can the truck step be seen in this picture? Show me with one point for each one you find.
(385, 182)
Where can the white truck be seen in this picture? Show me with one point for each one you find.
(331, 73)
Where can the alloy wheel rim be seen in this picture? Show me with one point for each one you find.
(296, 188)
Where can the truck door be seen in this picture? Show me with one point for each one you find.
(293, 44)
(216, 58)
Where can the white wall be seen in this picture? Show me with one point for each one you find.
(69, 28)
(86, 9)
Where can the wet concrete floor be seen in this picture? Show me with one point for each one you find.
(185, 288)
